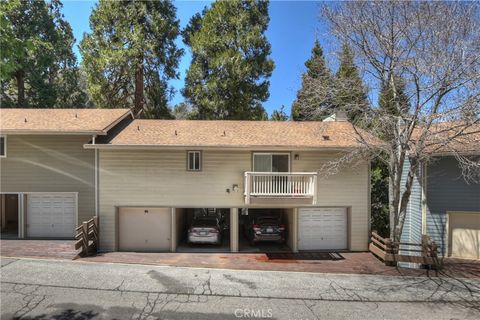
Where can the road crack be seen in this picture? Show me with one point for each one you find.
(30, 299)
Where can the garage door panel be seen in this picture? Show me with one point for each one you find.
(323, 229)
(51, 215)
(464, 235)
(144, 229)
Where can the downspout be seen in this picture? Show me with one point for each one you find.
(424, 199)
(21, 210)
(96, 176)
(369, 178)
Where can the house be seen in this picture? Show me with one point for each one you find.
(153, 176)
(156, 172)
(444, 205)
(47, 180)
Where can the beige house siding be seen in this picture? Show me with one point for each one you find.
(51, 163)
(290, 218)
(159, 178)
(348, 188)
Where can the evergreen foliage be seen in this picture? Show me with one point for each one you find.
(228, 76)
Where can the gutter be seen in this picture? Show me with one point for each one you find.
(453, 153)
(53, 132)
(209, 147)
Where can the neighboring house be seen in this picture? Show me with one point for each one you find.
(153, 176)
(47, 180)
(446, 206)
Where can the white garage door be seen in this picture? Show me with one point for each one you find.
(464, 234)
(51, 215)
(144, 229)
(322, 229)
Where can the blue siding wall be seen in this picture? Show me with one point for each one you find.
(412, 229)
(447, 191)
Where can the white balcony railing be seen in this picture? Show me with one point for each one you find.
(280, 185)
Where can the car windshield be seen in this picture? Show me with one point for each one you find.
(204, 223)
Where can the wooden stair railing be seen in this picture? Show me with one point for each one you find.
(87, 237)
(392, 252)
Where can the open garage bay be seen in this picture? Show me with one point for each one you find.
(266, 230)
(202, 229)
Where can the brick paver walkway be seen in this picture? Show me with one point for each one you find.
(349, 262)
(53, 249)
(352, 262)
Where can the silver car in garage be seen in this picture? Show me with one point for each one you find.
(205, 230)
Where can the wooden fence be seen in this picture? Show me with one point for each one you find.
(392, 252)
(87, 237)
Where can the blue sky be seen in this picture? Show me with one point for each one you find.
(291, 32)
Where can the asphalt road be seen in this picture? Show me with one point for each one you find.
(46, 289)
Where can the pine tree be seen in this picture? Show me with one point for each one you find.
(71, 93)
(350, 93)
(393, 102)
(228, 75)
(390, 106)
(9, 42)
(379, 197)
(314, 99)
(131, 54)
(279, 115)
(183, 111)
(38, 66)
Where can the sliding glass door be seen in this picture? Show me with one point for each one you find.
(271, 162)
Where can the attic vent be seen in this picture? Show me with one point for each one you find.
(326, 138)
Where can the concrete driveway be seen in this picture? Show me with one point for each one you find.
(46, 289)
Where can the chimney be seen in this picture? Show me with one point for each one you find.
(338, 116)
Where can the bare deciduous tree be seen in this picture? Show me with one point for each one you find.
(435, 48)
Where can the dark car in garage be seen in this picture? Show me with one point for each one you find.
(265, 227)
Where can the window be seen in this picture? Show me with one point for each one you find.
(3, 146)
(271, 162)
(194, 160)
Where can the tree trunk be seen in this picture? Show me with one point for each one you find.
(20, 77)
(139, 87)
(405, 197)
(399, 193)
(391, 206)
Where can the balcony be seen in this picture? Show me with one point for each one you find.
(298, 187)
